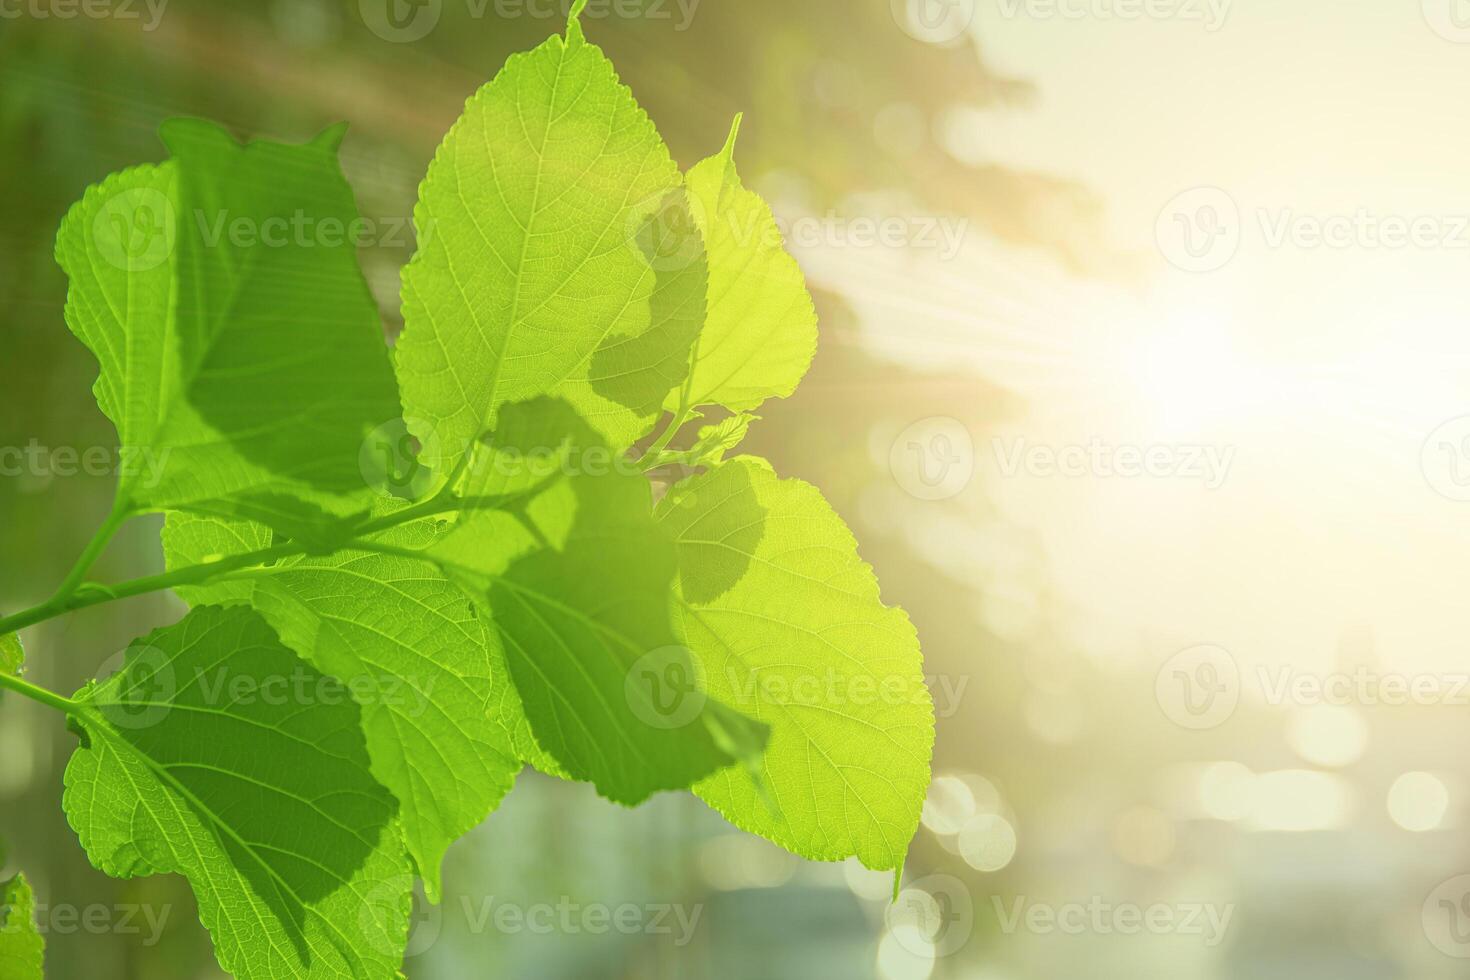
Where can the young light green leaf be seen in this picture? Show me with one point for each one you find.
(788, 623)
(21, 947)
(541, 271)
(577, 581)
(444, 726)
(714, 441)
(12, 654)
(241, 355)
(217, 754)
(760, 333)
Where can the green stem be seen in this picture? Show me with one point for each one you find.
(89, 556)
(680, 419)
(39, 694)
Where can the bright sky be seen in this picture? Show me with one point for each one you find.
(1325, 368)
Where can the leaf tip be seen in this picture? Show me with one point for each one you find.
(729, 151)
(574, 23)
(330, 139)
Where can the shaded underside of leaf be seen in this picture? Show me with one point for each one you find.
(241, 356)
(440, 714)
(217, 754)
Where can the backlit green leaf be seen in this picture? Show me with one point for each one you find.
(541, 271)
(21, 946)
(440, 714)
(761, 330)
(242, 360)
(217, 754)
(789, 626)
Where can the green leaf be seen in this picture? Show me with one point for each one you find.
(761, 330)
(444, 726)
(539, 272)
(714, 441)
(217, 754)
(12, 654)
(242, 360)
(577, 581)
(21, 946)
(788, 623)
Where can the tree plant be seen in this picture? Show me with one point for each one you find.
(520, 537)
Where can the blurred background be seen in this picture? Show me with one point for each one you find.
(1143, 382)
